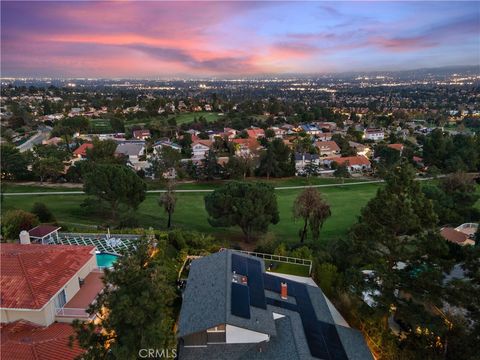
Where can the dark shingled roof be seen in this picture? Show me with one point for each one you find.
(41, 231)
(207, 299)
(206, 303)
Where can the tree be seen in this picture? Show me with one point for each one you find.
(268, 162)
(50, 151)
(186, 143)
(14, 164)
(251, 206)
(276, 161)
(47, 168)
(310, 207)
(166, 160)
(42, 212)
(117, 185)
(211, 168)
(328, 277)
(388, 157)
(396, 237)
(135, 309)
(168, 201)
(341, 172)
(14, 221)
(345, 148)
(103, 152)
(454, 199)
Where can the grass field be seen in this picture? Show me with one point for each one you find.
(100, 126)
(159, 185)
(346, 203)
(188, 117)
(190, 213)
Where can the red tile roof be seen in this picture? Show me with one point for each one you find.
(207, 143)
(141, 133)
(352, 161)
(327, 146)
(398, 147)
(22, 340)
(82, 149)
(252, 144)
(32, 274)
(255, 133)
(41, 231)
(453, 235)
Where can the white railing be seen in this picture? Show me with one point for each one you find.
(73, 313)
(279, 258)
(467, 226)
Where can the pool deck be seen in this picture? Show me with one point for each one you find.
(88, 292)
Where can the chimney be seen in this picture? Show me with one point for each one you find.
(24, 237)
(284, 292)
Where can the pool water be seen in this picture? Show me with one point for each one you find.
(105, 260)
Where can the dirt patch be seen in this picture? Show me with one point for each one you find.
(50, 185)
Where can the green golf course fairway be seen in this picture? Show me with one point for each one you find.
(346, 203)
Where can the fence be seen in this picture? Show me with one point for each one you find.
(73, 313)
(280, 258)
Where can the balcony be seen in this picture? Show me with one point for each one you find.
(77, 307)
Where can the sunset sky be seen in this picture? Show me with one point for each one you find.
(166, 39)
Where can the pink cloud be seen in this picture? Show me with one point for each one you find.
(401, 44)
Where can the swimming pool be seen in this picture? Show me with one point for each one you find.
(106, 260)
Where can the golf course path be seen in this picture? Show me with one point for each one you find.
(201, 190)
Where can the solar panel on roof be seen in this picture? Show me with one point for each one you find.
(240, 303)
(255, 284)
(322, 338)
(239, 264)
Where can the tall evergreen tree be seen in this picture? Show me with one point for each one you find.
(117, 185)
(134, 311)
(251, 206)
(396, 238)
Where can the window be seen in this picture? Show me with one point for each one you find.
(61, 300)
(218, 328)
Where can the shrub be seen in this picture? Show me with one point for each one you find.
(42, 212)
(15, 221)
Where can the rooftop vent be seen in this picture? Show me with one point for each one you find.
(284, 291)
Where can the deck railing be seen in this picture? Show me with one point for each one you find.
(280, 258)
(73, 313)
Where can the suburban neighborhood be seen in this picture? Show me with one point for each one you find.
(239, 181)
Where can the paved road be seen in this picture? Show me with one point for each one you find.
(42, 134)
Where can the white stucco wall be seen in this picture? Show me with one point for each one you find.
(237, 335)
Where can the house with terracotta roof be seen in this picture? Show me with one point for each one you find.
(327, 148)
(142, 134)
(353, 163)
(81, 151)
(461, 235)
(398, 147)
(200, 149)
(47, 283)
(255, 133)
(245, 147)
(27, 341)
